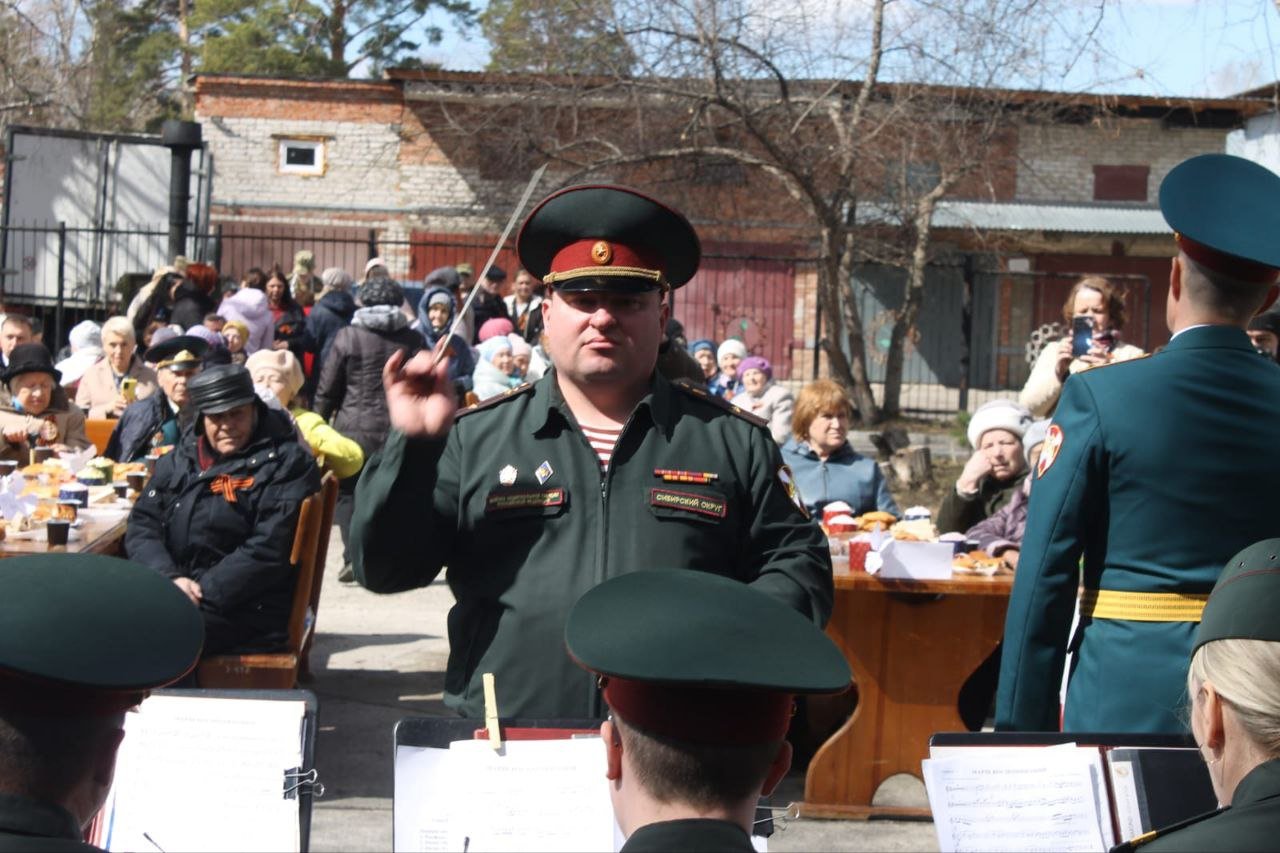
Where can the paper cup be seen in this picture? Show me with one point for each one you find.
(58, 530)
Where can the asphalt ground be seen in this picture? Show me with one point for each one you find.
(380, 658)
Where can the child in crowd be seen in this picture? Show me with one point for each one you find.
(765, 398)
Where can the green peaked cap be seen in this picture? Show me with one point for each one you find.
(691, 628)
(90, 632)
(1245, 602)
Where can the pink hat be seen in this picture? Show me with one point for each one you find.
(494, 327)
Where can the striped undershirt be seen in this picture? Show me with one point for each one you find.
(602, 442)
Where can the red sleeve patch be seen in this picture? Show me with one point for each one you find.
(1049, 452)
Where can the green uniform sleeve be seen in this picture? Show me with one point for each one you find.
(1044, 588)
(401, 528)
(794, 559)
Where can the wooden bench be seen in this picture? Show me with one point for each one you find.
(279, 670)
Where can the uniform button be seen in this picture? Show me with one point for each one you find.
(271, 455)
(253, 461)
(177, 504)
(151, 494)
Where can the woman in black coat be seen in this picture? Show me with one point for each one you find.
(349, 394)
(287, 315)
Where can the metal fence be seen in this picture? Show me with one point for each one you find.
(971, 343)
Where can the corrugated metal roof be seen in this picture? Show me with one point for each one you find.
(1071, 218)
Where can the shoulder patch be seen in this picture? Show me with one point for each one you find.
(700, 393)
(509, 394)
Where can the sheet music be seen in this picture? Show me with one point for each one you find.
(536, 795)
(423, 803)
(201, 773)
(1044, 799)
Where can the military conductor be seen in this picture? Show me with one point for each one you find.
(1156, 470)
(601, 468)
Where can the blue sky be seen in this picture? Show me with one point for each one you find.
(1144, 47)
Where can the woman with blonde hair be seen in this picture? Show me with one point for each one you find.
(1101, 301)
(1234, 688)
(103, 391)
(825, 467)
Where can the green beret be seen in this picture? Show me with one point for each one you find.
(1246, 599)
(83, 634)
(607, 238)
(699, 657)
(1225, 213)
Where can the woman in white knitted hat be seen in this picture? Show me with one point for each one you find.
(993, 472)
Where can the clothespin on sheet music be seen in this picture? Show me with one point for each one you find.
(491, 711)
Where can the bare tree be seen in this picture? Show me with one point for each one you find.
(866, 117)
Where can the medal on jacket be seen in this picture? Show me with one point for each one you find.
(544, 472)
(48, 432)
(507, 476)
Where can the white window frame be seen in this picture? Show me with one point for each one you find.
(284, 143)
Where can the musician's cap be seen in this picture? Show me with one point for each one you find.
(1225, 214)
(700, 658)
(182, 352)
(82, 634)
(220, 389)
(607, 238)
(1246, 598)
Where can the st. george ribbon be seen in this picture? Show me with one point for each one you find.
(506, 232)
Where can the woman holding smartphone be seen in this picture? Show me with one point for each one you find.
(1094, 312)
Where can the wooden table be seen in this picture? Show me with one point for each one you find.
(911, 645)
(97, 536)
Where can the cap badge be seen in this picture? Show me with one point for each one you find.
(601, 252)
(544, 472)
(507, 476)
(1052, 444)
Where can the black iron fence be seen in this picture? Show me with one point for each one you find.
(971, 343)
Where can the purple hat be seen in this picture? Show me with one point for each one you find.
(756, 362)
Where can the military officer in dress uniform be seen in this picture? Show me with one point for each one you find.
(1235, 711)
(601, 468)
(82, 640)
(1155, 470)
(694, 740)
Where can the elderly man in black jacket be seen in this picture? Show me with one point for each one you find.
(219, 514)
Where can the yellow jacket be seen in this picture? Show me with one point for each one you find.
(333, 450)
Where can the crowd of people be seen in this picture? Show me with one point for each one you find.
(553, 504)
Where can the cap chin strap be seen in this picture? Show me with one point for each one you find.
(607, 272)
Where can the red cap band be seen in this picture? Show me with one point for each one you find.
(1229, 265)
(705, 715)
(604, 257)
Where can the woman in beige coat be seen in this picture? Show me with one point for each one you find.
(1099, 299)
(37, 410)
(101, 391)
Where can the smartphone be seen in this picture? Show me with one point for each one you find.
(1081, 336)
(129, 388)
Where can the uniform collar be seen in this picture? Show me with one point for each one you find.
(1260, 783)
(36, 818)
(552, 408)
(1210, 337)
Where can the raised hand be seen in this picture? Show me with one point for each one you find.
(420, 399)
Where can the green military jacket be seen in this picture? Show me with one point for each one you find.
(1155, 471)
(1250, 823)
(514, 503)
